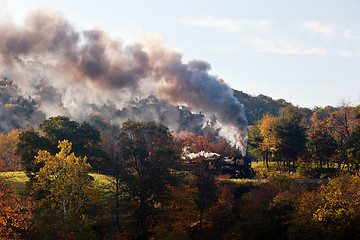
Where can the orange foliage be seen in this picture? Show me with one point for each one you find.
(8, 160)
(15, 214)
(269, 142)
(201, 144)
(181, 214)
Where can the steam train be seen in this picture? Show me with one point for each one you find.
(235, 167)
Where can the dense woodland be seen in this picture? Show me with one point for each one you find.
(148, 194)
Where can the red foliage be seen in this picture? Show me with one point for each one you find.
(202, 143)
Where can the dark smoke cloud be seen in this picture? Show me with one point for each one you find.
(91, 67)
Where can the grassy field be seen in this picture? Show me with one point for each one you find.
(102, 182)
(262, 172)
(302, 171)
(246, 181)
(18, 181)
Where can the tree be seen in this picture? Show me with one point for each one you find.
(181, 214)
(110, 146)
(352, 146)
(201, 143)
(9, 161)
(331, 212)
(321, 145)
(149, 156)
(342, 123)
(265, 211)
(208, 143)
(270, 142)
(28, 146)
(65, 180)
(291, 135)
(84, 137)
(206, 186)
(255, 140)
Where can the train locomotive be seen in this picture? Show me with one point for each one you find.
(235, 167)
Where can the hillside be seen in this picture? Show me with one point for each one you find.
(257, 106)
(18, 111)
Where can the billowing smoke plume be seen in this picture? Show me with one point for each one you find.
(90, 67)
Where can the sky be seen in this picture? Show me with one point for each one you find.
(304, 51)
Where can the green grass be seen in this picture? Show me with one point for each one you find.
(245, 180)
(248, 182)
(262, 172)
(18, 180)
(102, 182)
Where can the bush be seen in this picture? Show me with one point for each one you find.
(305, 170)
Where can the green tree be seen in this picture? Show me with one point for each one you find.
(84, 137)
(111, 147)
(149, 156)
(254, 143)
(64, 177)
(291, 135)
(28, 146)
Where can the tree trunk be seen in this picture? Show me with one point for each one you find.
(266, 161)
(117, 204)
(294, 167)
(289, 165)
(284, 165)
(278, 165)
(321, 163)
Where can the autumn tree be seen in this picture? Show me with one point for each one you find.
(201, 143)
(181, 215)
(342, 123)
(68, 191)
(9, 161)
(209, 143)
(149, 156)
(206, 189)
(352, 146)
(330, 212)
(321, 145)
(219, 145)
(269, 141)
(263, 212)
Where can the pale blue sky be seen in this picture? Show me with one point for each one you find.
(307, 52)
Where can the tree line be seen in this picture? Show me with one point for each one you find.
(329, 138)
(149, 196)
(147, 193)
